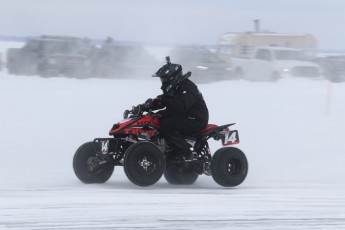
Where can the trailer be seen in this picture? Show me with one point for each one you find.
(242, 45)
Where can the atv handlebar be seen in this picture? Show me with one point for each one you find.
(137, 110)
(149, 105)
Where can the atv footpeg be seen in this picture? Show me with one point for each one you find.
(193, 156)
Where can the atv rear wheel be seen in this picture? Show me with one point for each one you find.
(229, 166)
(144, 163)
(88, 167)
(176, 175)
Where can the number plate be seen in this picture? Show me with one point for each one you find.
(105, 147)
(102, 145)
(230, 137)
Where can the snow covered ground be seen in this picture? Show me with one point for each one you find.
(292, 132)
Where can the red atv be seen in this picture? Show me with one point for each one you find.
(137, 145)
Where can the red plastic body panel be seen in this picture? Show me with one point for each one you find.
(135, 126)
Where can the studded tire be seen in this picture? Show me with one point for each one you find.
(229, 166)
(176, 175)
(144, 163)
(84, 157)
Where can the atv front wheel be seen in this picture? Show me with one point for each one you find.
(144, 163)
(229, 166)
(88, 167)
(176, 175)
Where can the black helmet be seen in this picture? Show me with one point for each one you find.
(171, 76)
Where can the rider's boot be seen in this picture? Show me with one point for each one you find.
(180, 147)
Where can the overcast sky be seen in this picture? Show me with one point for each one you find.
(175, 21)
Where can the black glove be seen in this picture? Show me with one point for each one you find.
(136, 109)
(148, 103)
(159, 102)
(163, 98)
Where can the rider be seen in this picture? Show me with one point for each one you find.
(185, 110)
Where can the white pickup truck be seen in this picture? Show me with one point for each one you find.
(273, 63)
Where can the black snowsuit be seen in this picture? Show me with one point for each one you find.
(186, 113)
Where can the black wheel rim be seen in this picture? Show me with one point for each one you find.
(146, 164)
(233, 167)
(93, 165)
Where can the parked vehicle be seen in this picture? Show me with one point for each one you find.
(333, 67)
(51, 56)
(204, 64)
(122, 61)
(273, 63)
(138, 147)
(242, 44)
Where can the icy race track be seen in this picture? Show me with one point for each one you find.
(120, 205)
(293, 140)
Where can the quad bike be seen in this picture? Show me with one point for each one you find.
(138, 147)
